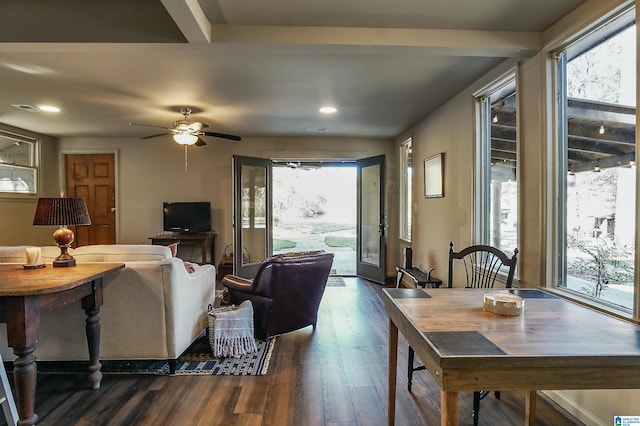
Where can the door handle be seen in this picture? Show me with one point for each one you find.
(113, 209)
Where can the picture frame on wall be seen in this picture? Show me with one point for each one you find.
(434, 176)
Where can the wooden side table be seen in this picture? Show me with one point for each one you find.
(206, 243)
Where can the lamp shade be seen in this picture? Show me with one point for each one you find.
(61, 212)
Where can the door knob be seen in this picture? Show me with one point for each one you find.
(113, 209)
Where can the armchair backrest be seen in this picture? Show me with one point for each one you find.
(262, 280)
(482, 264)
(297, 287)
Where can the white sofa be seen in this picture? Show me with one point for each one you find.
(153, 308)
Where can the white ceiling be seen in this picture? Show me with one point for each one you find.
(253, 68)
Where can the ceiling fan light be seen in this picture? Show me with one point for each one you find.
(185, 138)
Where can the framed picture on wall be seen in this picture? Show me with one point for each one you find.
(434, 176)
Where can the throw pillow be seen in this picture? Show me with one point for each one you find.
(191, 267)
(174, 249)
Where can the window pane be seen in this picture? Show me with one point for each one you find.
(19, 180)
(16, 152)
(600, 184)
(500, 216)
(17, 174)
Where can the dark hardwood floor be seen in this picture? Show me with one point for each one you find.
(334, 376)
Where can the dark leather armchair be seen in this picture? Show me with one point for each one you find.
(285, 293)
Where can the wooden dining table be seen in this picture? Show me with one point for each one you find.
(553, 344)
(25, 294)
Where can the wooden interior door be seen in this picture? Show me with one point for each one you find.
(92, 177)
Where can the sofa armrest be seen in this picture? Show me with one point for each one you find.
(237, 283)
(187, 296)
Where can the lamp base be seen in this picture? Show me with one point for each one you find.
(60, 262)
(63, 237)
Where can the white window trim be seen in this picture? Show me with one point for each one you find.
(404, 228)
(483, 151)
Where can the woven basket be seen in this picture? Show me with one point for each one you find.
(227, 255)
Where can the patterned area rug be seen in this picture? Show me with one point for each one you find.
(197, 360)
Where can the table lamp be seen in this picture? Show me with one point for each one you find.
(62, 212)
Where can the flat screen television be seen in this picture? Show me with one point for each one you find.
(187, 217)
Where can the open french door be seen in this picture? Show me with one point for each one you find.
(252, 233)
(252, 216)
(371, 243)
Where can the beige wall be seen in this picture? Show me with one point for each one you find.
(437, 221)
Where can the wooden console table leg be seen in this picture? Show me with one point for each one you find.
(91, 305)
(93, 342)
(24, 375)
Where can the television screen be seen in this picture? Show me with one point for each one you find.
(187, 217)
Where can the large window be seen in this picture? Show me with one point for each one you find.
(597, 84)
(18, 172)
(405, 190)
(497, 202)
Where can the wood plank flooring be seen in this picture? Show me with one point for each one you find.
(333, 376)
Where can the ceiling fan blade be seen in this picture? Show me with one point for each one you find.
(200, 142)
(155, 136)
(149, 125)
(196, 126)
(222, 135)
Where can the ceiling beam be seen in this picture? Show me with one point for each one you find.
(189, 17)
(436, 41)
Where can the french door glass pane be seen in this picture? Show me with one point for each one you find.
(254, 213)
(370, 215)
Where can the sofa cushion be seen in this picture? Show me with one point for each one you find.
(13, 254)
(121, 253)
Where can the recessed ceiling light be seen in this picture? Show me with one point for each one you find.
(48, 108)
(328, 110)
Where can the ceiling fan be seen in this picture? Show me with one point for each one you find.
(186, 132)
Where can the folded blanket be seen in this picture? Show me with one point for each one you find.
(231, 330)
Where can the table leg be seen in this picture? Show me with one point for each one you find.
(448, 408)
(24, 375)
(393, 371)
(92, 328)
(91, 305)
(530, 408)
